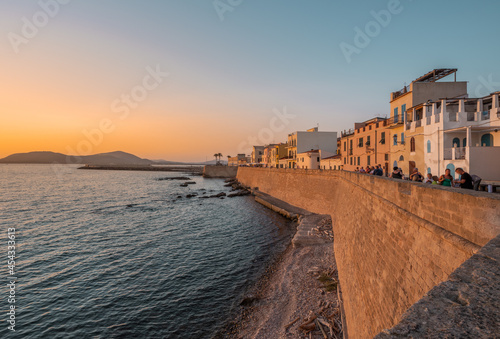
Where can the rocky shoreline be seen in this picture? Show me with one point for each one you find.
(297, 296)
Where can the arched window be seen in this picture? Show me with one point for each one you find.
(464, 142)
(412, 144)
(428, 146)
(428, 170)
(451, 167)
(395, 137)
(401, 158)
(487, 140)
(395, 164)
(456, 142)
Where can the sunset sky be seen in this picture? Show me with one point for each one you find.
(67, 70)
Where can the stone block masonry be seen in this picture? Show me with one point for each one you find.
(466, 305)
(394, 240)
(220, 171)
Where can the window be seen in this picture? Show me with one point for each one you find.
(395, 140)
(382, 138)
(345, 161)
(401, 158)
(358, 161)
(345, 146)
(351, 161)
(464, 142)
(368, 141)
(368, 160)
(428, 146)
(370, 127)
(412, 144)
(396, 115)
(395, 164)
(317, 159)
(360, 142)
(456, 142)
(386, 157)
(402, 138)
(428, 170)
(403, 109)
(487, 140)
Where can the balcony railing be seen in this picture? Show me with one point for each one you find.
(418, 123)
(471, 116)
(485, 115)
(460, 153)
(428, 120)
(455, 153)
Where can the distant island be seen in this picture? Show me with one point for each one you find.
(117, 158)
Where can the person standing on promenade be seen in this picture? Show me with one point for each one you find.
(465, 179)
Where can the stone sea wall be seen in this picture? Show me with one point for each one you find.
(220, 171)
(394, 240)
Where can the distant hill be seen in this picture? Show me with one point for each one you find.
(111, 158)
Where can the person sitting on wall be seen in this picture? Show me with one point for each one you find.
(416, 175)
(429, 179)
(357, 169)
(435, 180)
(465, 179)
(446, 179)
(396, 173)
(378, 171)
(362, 170)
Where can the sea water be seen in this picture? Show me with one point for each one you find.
(123, 254)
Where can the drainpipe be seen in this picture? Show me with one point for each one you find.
(439, 157)
(467, 148)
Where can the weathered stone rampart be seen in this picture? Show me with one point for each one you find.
(216, 171)
(394, 240)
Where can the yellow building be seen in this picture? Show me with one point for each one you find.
(278, 151)
(407, 105)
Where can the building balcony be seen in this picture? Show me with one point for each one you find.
(455, 153)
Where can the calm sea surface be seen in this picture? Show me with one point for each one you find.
(115, 254)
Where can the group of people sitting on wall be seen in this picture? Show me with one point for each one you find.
(447, 179)
(373, 170)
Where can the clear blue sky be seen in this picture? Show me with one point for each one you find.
(226, 76)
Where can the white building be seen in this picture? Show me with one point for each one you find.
(461, 132)
(312, 139)
(308, 160)
(257, 154)
(333, 162)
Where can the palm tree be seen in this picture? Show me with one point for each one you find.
(217, 156)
